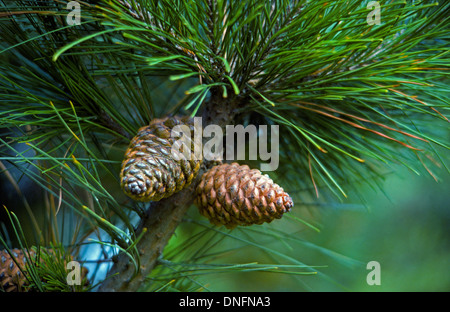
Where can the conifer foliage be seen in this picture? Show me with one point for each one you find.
(353, 91)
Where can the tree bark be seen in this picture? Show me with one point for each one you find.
(164, 216)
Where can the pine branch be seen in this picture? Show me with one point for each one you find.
(163, 217)
(347, 96)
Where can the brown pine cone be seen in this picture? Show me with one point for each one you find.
(232, 195)
(11, 278)
(149, 170)
(13, 269)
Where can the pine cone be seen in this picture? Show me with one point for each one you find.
(232, 195)
(149, 171)
(11, 278)
(13, 273)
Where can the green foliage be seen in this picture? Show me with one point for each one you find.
(44, 269)
(345, 92)
(351, 99)
(197, 252)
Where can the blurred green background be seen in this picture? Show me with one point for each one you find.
(407, 230)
